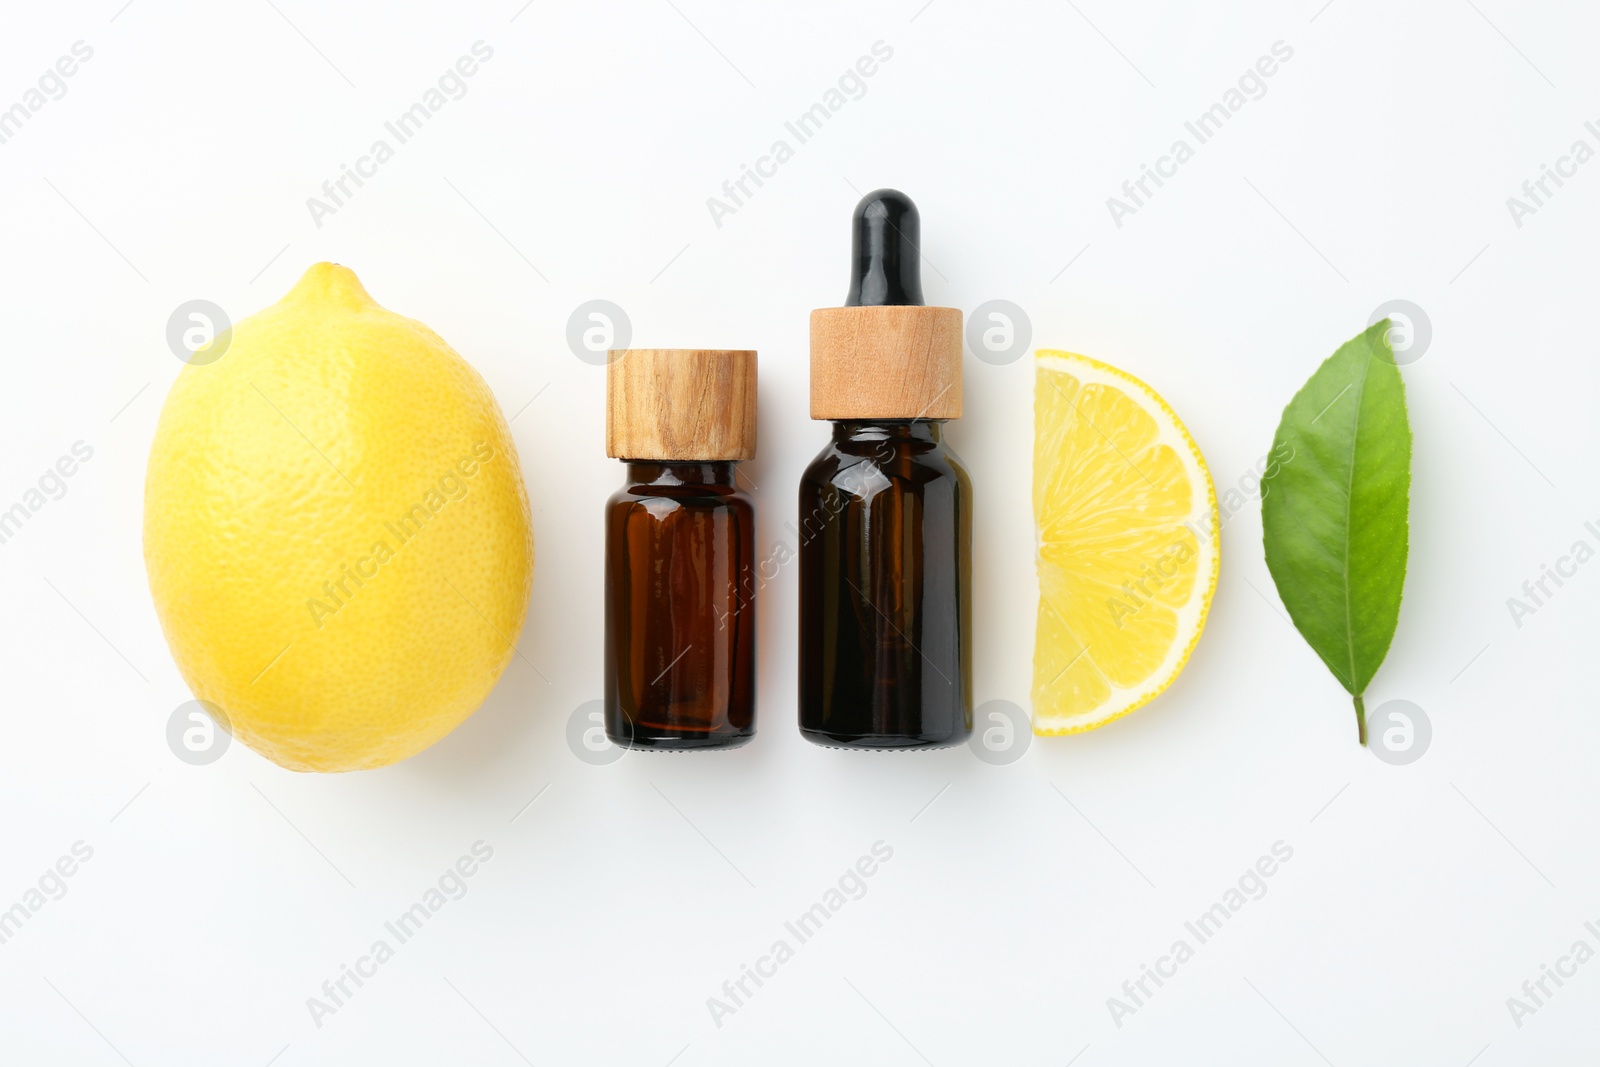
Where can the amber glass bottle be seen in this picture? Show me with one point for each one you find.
(884, 602)
(885, 509)
(680, 648)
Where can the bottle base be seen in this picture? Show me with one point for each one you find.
(881, 742)
(643, 741)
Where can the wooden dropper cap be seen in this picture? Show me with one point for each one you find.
(884, 355)
(681, 404)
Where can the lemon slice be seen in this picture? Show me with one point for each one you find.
(1128, 559)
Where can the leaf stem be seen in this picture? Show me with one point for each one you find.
(1361, 719)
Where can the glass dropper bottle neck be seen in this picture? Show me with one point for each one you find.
(930, 430)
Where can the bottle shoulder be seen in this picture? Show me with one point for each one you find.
(863, 468)
(663, 499)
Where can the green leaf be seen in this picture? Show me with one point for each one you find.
(1334, 509)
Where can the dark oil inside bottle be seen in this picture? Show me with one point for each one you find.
(885, 598)
(680, 613)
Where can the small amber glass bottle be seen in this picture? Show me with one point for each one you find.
(680, 649)
(885, 509)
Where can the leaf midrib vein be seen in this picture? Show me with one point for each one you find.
(1349, 496)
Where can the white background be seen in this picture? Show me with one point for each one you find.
(1019, 898)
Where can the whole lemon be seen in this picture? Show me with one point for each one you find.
(336, 531)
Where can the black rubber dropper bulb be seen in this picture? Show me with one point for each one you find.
(886, 240)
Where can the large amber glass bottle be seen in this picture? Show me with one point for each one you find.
(680, 642)
(885, 509)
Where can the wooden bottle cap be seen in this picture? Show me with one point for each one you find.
(899, 361)
(689, 404)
